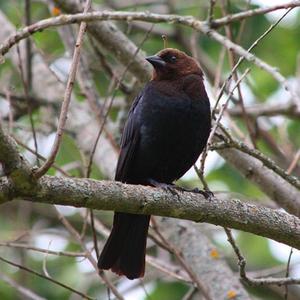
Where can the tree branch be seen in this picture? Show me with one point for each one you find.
(250, 13)
(23, 268)
(203, 258)
(288, 109)
(107, 195)
(14, 164)
(67, 98)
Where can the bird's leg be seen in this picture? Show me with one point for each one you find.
(169, 187)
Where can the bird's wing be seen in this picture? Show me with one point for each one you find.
(129, 142)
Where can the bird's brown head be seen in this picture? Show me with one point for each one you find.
(172, 63)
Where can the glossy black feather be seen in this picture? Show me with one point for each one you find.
(165, 133)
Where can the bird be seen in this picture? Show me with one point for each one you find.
(167, 128)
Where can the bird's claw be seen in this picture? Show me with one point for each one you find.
(173, 189)
(207, 194)
(169, 188)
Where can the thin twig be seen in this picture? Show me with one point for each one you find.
(287, 273)
(256, 281)
(84, 296)
(124, 87)
(241, 259)
(29, 108)
(28, 247)
(28, 294)
(218, 71)
(54, 166)
(45, 262)
(169, 270)
(272, 271)
(254, 12)
(85, 82)
(294, 163)
(94, 233)
(102, 125)
(28, 47)
(89, 256)
(210, 16)
(85, 217)
(224, 107)
(67, 98)
(191, 292)
(232, 61)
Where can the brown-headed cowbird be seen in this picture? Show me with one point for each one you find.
(166, 130)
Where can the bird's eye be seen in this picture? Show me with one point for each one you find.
(173, 59)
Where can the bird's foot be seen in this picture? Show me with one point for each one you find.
(207, 194)
(174, 189)
(169, 187)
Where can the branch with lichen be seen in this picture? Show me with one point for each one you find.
(107, 195)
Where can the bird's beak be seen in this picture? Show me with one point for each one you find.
(156, 61)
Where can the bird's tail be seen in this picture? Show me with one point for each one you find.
(124, 251)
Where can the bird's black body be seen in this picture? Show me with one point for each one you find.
(167, 129)
(165, 134)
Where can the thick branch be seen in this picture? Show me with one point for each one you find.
(14, 164)
(106, 195)
(203, 258)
